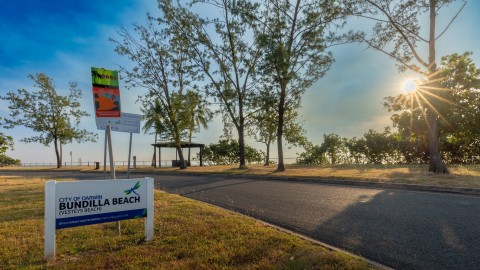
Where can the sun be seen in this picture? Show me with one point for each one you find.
(409, 86)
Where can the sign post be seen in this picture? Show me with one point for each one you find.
(129, 154)
(106, 98)
(108, 116)
(80, 203)
(129, 122)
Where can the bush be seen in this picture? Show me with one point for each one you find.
(8, 161)
(227, 152)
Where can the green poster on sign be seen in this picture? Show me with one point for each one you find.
(104, 77)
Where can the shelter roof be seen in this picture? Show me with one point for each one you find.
(183, 145)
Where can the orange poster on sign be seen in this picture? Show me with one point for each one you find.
(107, 102)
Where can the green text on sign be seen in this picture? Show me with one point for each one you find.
(104, 77)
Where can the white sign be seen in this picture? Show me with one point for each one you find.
(129, 122)
(71, 204)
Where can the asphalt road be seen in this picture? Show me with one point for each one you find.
(400, 229)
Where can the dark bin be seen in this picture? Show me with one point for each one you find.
(96, 165)
(176, 163)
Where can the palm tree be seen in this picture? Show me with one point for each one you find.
(152, 114)
(199, 115)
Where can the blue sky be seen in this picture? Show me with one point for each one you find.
(65, 38)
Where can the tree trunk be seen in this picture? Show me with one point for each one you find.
(183, 165)
(58, 153)
(154, 159)
(178, 144)
(281, 113)
(189, 147)
(435, 163)
(267, 155)
(241, 144)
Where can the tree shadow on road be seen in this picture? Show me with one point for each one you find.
(402, 231)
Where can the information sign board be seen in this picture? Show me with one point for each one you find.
(79, 203)
(129, 122)
(106, 93)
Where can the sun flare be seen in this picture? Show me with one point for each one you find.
(409, 86)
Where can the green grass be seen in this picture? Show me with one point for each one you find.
(465, 176)
(461, 176)
(188, 235)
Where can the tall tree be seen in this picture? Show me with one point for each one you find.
(397, 33)
(163, 66)
(295, 42)
(54, 117)
(226, 53)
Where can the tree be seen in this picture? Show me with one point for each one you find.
(226, 54)
(198, 115)
(264, 122)
(397, 33)
(6, 143)
(314, 154)
(54, 117)
(378, 146)
(263, 127)
(164, 67)
(459, 113)
(356, 148)
(154, 119)
(332, 144)
(294, 44)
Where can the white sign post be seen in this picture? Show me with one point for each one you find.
(128, 122)
(80, 203)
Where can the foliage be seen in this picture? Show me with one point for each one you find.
(332, 151)
(198, 114)
(8, 161)
(378, 147)
(54, 117)
(314, 154)
(163, 65)
(6, 143)
(459, 113)
(226, 54)
(398, 34)
(295, 39)
(374, 147)
(356, 149)
(226, 152)
(264, 122)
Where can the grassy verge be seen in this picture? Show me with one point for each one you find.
(465, 176)
(188, 235)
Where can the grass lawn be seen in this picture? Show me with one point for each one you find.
(464, 176)
(188, 235)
